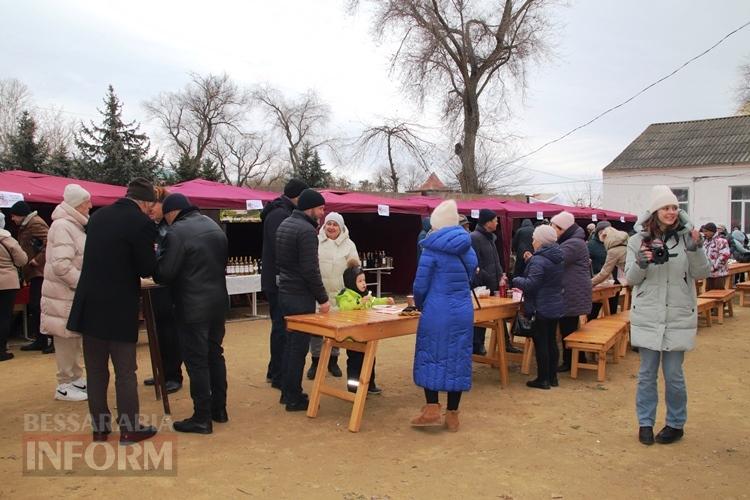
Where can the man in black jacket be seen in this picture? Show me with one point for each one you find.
(300, 287)
(490, 271)
(272, 216)
(522, 244)
(119, 251)
(193, 263)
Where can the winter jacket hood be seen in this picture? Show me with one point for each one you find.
(453, 240)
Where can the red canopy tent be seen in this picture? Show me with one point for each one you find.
(42, 188)
(209, 194)
(352, 202)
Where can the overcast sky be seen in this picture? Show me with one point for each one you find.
(67, 52)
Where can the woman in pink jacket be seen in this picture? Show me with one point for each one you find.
(65, 242)
(12, 257)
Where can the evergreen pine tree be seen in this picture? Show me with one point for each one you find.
(188, 168)
(24, 151)
(115, 152)
(59, 163)
(311, 168)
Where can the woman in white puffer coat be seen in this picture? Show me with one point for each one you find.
(65, 242)
(335, 249)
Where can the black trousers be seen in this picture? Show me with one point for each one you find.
(7, 297)
(96, 354)
(545, 348)
(479, 334)
(166, 329)
(596, 307)
(568, 325)
(277, 338)
(296, 347)
(354, 360)
(454, 398)
(204, 359)
(34, 309)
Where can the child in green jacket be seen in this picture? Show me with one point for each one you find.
(356, 296)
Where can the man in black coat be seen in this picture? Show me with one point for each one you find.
(490, 271)
(522, 244)
(300, 287)
(119, 250)
(193, 263)
(272, 216)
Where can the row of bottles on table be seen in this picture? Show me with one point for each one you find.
(372, 260)
(243, 265)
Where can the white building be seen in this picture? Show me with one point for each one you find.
(705, 162)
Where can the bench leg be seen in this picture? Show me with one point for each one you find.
(355, 421)
(730, 308)
(600, 371)
(501, 354)
(528, 353)
(720, 311)
(574, 364)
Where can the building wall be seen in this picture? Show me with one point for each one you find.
(708, 189)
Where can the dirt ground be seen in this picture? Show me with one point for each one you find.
(575, 441)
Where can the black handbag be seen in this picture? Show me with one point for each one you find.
(524, 325)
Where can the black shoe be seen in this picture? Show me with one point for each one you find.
(513, 349)
(669, 435)
(37, 345)
(313, 369)
(538, 384)
(480, 350)
(194, 426)
(283, 400)
(374, 389)
(563, 368)
(100, 437)
(149, 381)
(143, 432)
(554, 382)
(50, 349)
(5, 356)
(333, 367)
(276, 385)
(646, 435)
(299, 405)
(220, 416)
(172, 386)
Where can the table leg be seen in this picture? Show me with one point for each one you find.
(355, 421)
(154, 350)
(377, 275)
(502, 355)
(605, 307)
(320, 376)
(255, 303)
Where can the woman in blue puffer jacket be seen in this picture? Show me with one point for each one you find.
(442, 361)
(542, 286)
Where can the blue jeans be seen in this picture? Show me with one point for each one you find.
(647, 397)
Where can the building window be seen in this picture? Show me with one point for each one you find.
(682, 198)
(740, 204)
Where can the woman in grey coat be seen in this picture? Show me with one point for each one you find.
(663, 318)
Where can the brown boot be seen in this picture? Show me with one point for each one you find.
(451, 420)
(430, 416)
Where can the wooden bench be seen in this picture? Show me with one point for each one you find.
(743, 289)
(724, 299)
(599, 337)
(704, 309)
(622, 318)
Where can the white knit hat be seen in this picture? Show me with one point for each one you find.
(545, 234)
(662, 196)
(2, 220)
(337, 218)
(563, 220)
(74, 195)
(444, 215)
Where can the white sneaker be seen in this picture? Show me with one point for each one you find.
(79, 384)
(67, 392)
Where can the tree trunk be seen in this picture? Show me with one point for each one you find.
(469, 181)
(394, 176)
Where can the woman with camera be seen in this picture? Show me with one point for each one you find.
(663, 261)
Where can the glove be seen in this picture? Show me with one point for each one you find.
(642, 260)
(690, 244)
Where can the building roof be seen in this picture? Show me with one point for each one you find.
(433, 183)
(698, 143)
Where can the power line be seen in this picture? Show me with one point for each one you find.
(637, 94)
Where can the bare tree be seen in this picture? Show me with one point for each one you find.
(586, 196)
(243, 159)
(413, 177)
(196, 115)
(743, 90)
(56, 129)
(298, 121)
(15, 97)
(495, 173)
(465, 50)
(399, 139)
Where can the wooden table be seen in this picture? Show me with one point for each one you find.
(362, 330)
(602, 293)
(147, 286)
(245, 284)
(737, 268)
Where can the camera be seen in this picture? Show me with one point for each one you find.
(659, 252)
